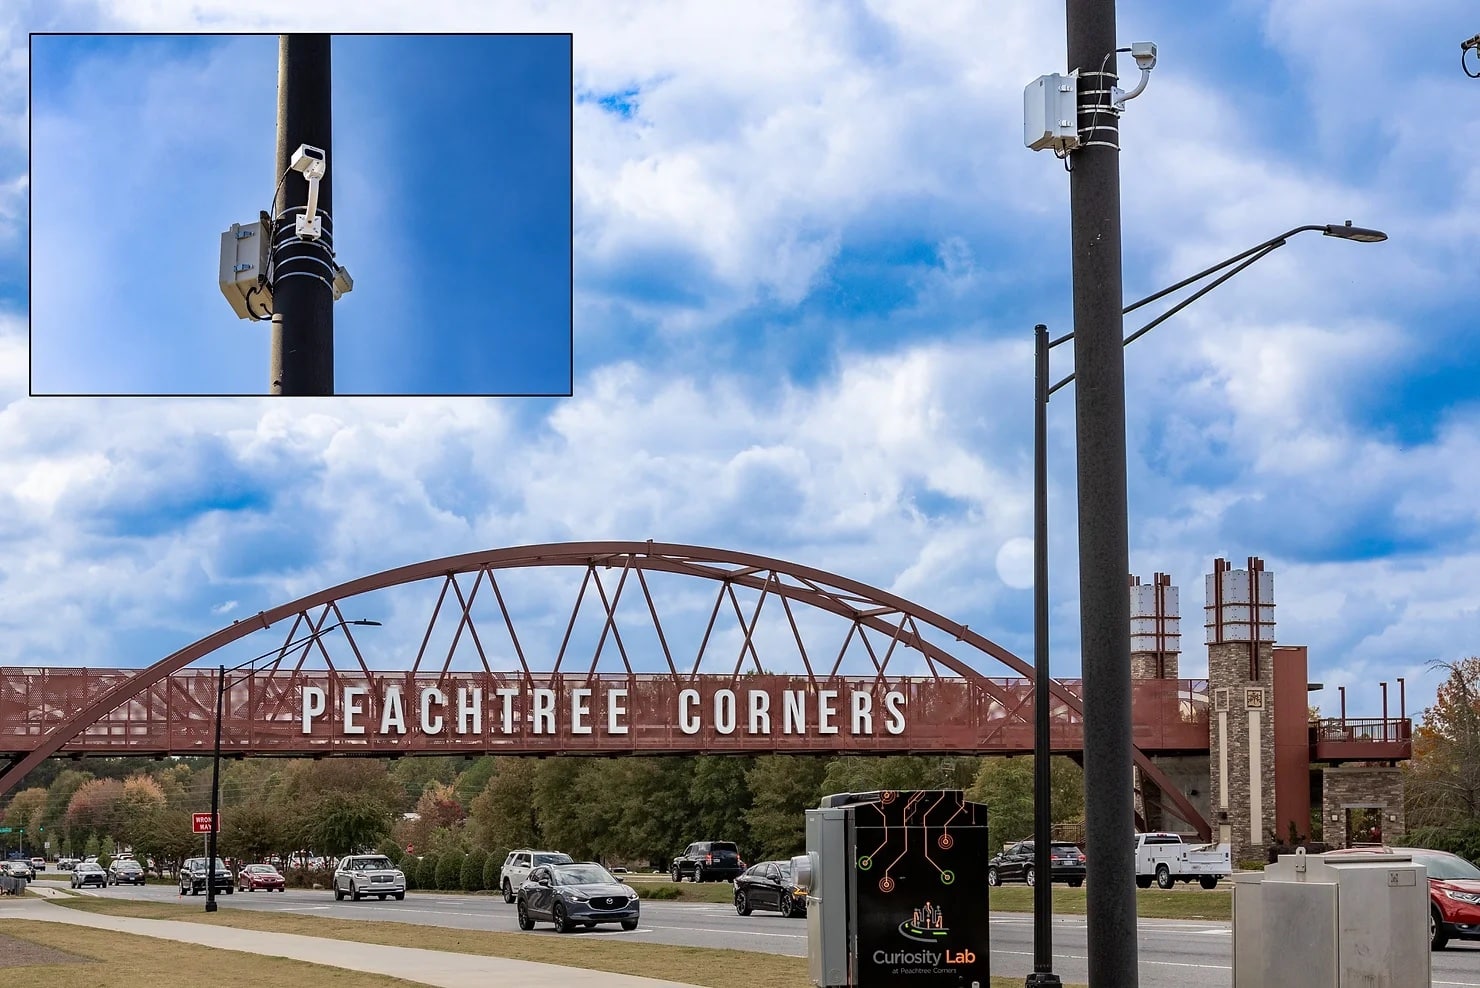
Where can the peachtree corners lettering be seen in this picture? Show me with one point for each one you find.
(461, 711)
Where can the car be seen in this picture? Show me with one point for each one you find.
(361, 875)
(518, 865)
(578, 894)
(66, 864)
(21, 868)
(125, 872)
(38, 864)
(260, 876)
(88, 873)
(1454, 891)
(769, 885)
(193, 876)
(1015, 864)
(708, 861)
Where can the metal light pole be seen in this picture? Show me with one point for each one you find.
(1043, 976)
(221, 672)
(302, 354)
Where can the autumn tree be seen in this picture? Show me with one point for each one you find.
(1443, 782)
(438, 809)
(93, 809)
(503, 814)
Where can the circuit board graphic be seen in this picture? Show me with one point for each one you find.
(923, 816)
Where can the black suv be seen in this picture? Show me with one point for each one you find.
(708, 861)
(193, 877)
(1066, 863)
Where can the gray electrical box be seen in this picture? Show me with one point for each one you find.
(1051, 113)
(245, 251)
(1341, 920)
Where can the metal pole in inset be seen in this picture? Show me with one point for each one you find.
(215, 796)
(302, 355)
(1104, 546)
(1042, 976)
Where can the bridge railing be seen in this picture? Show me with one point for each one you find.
(1338, 739)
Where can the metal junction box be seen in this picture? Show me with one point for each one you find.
(1347, 920)
(245, 252)
(1051, 113)
(897, 890)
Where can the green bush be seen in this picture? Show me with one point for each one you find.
(660, 891)
(491, 867)
(393, 851)
(449, 871)
(409, 866)
(426, 872)
(472, 870)
(1463, 840)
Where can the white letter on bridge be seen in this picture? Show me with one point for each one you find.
(429, 696)
(392, 714)
(542, 714)
(313, 706)
(687, 722)
(352, 709)
(580, 709)
(470, 707)
(863, 713)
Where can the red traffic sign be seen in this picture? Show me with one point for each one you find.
(200, 823)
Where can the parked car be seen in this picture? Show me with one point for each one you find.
(571, 895)
(1015, 864)
(193, 876)
(66, 864)
(260, 876)
(359, 875)
(38, 864)
(708, 861)
(769, 885)
(88, 873)
(1454, 891)
(518, 865)
(125, 872)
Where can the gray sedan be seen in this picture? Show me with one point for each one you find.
(574, 895)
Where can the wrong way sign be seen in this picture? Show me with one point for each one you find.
(200, 823)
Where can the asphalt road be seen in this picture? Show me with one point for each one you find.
(1173, 953)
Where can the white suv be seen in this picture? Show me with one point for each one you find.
(518, 864)
(359, 875)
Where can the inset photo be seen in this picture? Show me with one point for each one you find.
(301, 214)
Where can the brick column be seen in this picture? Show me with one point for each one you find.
(1240, 637)
(1156, 642)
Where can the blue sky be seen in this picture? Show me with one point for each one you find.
(451, 176)
(809, 252)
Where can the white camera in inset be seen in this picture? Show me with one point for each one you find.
(313, 163)
(310, 161)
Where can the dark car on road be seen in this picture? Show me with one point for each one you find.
(125, 872)
(1016, 864)
(88, 873)
(708, 861)
(769, 885)
(571, 895)
(193, 876)
(21, 868)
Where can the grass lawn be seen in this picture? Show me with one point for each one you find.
(1181, 902)
(690, 965)
(68, 956)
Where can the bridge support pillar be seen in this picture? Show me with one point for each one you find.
(1156, 644)
(1240, 639)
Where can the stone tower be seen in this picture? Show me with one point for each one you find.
(1240, 637)
(1156, 641)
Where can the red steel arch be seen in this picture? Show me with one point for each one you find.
(864, 605)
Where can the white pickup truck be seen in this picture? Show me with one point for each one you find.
(1167, 859)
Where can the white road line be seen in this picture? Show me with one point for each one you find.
(743, 933)
(1081, 957)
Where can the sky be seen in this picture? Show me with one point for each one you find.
(809, 251)
(451, 175)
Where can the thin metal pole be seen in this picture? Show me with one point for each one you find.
(302, 355)
(1104, 544)
(1042, 976)
(215, 796)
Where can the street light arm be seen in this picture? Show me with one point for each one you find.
(1258, 254)
(1271, 242)
(306, 639)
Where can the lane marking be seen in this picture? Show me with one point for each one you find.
(1081, 957)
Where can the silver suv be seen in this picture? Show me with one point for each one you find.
(359, 875)
(518, 865)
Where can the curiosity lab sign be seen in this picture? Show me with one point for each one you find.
(761, 708)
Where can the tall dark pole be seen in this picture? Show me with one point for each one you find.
(1104, 549)
(302, 358)
(215, 796)
(1042, 976)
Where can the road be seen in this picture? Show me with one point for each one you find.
(1173, 953)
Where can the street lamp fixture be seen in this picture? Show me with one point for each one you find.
(1043, 976)
(221, 674)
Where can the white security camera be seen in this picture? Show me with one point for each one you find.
(313, 163)
(1144, 52)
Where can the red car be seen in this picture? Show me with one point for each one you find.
(259, 876)
(1454, 892)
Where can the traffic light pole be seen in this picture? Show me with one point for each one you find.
(302, 355)
(1104, 543)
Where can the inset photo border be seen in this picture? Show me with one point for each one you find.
(164, 233)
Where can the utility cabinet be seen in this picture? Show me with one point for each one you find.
(1342, 920)
(897, 890)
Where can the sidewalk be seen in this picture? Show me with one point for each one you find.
(427, 967)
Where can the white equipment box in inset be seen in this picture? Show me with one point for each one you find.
(244, 256)
(1051, 113)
